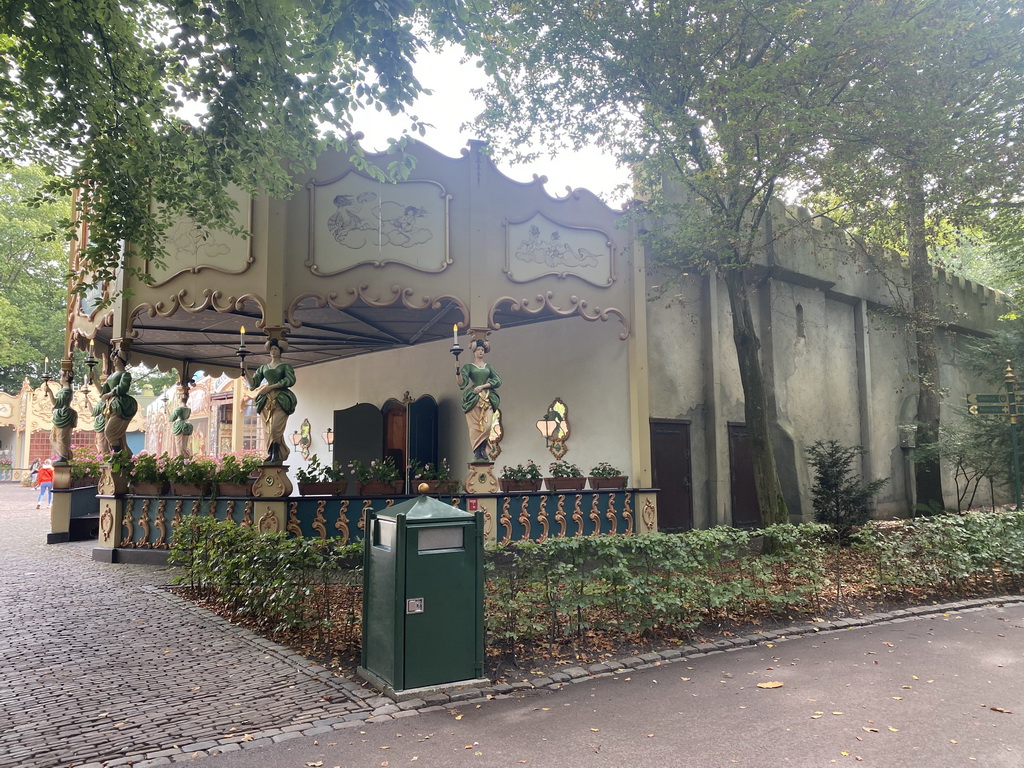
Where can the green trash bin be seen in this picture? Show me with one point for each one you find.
(423, 598)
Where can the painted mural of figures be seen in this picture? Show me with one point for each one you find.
(400, 225)
(478, 382)
(181, 428)
(351, 225)
(274, 399)
(553, 252)
(116, 406)
(65, 418)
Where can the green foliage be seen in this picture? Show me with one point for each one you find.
(377, 471)
(195, 469)
(33, 269)
(315, 472)
(107, 89)
(527, 471)
(604, 469)
(839, 498)
(87, 462)
(564, 469)
(238, 467)
(276, 582)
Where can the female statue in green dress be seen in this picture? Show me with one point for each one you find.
(116, 407)
(181, 428)
(65, 418)
(274, 399)
(478, 380)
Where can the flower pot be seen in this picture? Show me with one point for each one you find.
(565, 483)
(190, 489)
(377, 488)
(84, 482)
(234, 489)
(519, 486)
(324, 488)
(600, 483)
(148, 489)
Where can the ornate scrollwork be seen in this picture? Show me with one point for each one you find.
(320, 521)
(577, 514)
(341, 524)
(209, 299)
(560, 515)
(544, 301)
(361, 294)
(505, 520)
(161, 525)
(595, 515)
(627, 513)
(524, 518)
(294, 527)
(106, 523)
(542, 519)
(611, 514)
(144, 524)
(649, 514)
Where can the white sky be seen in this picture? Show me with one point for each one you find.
(452, 104)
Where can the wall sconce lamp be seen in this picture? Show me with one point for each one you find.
(328, 436)
(554, 425)
(547, 426)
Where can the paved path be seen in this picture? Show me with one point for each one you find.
(99, 667)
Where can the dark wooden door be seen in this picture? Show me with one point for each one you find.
(423, 430)
(746, 512)
(358, 434)
(670, 459)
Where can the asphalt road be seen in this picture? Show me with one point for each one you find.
(941, 691)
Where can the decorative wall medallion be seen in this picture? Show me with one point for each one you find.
(106, 522)
(192, 248)
(538, 247)
(356, 220)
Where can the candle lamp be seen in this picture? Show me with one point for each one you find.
(456, 350)
(242, 352)
(46, 370)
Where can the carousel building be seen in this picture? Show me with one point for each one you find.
(347, 304)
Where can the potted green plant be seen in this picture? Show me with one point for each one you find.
(316, 479)
(146, 472)
(565, 476)
(521, 477)
(193, 476)
(378, 478)
(604, 475)
(86, 466)
(235, 473)
(438, 478)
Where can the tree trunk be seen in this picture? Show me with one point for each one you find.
(927, 474)
(755, 402)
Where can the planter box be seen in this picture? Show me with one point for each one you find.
(191, 489)
(148, 489)
(519, 486)
(374, 488)
(437, 487)
(600, 483)
(565, 483)
(234, 489)
(84, 482)
(325, 488)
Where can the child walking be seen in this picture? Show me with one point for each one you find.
(45, 480)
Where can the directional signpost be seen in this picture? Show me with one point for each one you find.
(1010, 405)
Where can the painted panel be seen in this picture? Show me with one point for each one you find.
(539, 246)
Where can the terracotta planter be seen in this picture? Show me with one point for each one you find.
(148, 489)
(600, 483)
(325, 488)
(234, 489)
(519, 486)
(191, 489)
(375, 488)
(565, 483)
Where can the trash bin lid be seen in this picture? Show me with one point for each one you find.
(425, 508)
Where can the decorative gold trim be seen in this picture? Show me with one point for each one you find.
(542, 519)
(577, 514)
(488, 524)
(106, 523)
(544, 301)
(627, 513)
(294, 527)
(560, 515)
(611, 514)
(320, 522)
(267, 522)
(247, 515)
(195, 508)
(144, 523)
(443, 194)
(595, 515)
(505, 520)
(649, 514)
(128, 526)
(161, 525)
(210, 299)
(176, 520)
(342, 523)
(524, 518)
(367, 509)
(229, 511)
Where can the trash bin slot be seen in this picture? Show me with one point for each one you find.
(384, 533)
(434, 539)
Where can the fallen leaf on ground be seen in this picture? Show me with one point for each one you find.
(771, 684)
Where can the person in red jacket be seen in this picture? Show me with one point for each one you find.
(45, 480)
